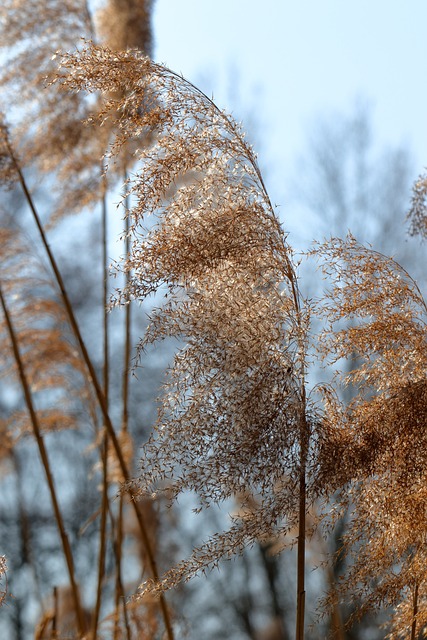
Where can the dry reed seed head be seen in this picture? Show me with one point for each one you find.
(370, 436)
(230, 416)
(53, 365)
(6, 449)
(375, 315)
(374, 312)
(142, 617)
(222, 396)
(50, 128)
(51, 420)
(48, 122)
(94, 68)
(69, 148)
(400, 624)
(386, 451)
(30, 32)
(8, 175)
(149, 509)
(386, 539)
(78, 159)
(7, 170)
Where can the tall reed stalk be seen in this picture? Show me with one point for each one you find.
(414, 612)
(124, 428)
(105, 439)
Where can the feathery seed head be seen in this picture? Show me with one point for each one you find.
(230, 418)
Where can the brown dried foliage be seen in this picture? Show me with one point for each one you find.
(53, 365)
(230, 416)
(376, 312)
(234, 419)
(50, 129)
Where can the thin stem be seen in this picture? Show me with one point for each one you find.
(106, 368)
(46, 465)
(299, 635)
(104, 447)
(98, 391)
(414, 613)
(102, 536)
(126, 363)
(304, 441)
(120, 595)
(125, 417)
(55, 613)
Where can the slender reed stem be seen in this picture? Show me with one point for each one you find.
(46, 465)
(55, 614)
(414, 613)
(125, 418)
(304, 439)
(97, 388)
(104, 448)
(106, 367)
(126, 363)
(301, 533)
(120, 594)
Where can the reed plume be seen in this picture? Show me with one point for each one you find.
(49, 128)
(54, 369)
(374, 310)
(234, 418)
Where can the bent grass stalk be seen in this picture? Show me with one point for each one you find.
(104, 445)
(119, 589)
(125, 418)
(414, 613)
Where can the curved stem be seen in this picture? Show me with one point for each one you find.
(125, 420)
(304, 441)
(414, 613)
(104, 447)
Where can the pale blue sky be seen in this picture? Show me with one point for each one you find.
(292, 60)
